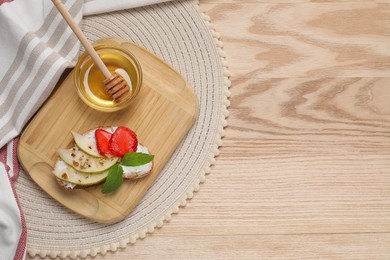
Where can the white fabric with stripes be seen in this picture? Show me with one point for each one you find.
(36, 46)
(10, 220)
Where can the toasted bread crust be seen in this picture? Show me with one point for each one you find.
(63, 185)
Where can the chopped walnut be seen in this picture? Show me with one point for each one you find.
(64, 176)
(75, 164)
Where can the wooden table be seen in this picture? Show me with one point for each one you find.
(304, 171)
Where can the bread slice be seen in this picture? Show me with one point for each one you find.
(130, 176)
(130, 173)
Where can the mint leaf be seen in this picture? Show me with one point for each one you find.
(114, 179)
(136, 159)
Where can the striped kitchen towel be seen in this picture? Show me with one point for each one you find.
(36, 46)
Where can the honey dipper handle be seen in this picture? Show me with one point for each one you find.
(76, 29)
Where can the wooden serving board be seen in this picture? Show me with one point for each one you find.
(161, 115)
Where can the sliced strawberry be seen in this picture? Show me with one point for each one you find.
(123, 141)
(102, 141)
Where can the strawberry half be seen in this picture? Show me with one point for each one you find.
(123, 141)
(102, 141)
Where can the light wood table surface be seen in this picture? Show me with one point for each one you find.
(304, 171)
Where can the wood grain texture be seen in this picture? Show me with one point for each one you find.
(266, 40)
(304, 171)
(160, 125)
(324, 246)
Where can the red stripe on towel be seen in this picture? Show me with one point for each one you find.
(9, 157)
(8, 153)
(22, 245)
(3, 156)
(5, 1)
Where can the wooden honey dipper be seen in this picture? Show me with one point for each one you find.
(115, 85)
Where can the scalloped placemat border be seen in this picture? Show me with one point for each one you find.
(102, 250)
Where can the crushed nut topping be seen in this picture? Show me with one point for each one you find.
(75, 163)
(64, 176)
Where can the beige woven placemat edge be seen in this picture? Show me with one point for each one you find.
(102, 250)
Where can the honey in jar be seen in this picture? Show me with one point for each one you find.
(89, 79)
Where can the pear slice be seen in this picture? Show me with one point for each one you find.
(66, 173)
(85, 163)
(87, 143)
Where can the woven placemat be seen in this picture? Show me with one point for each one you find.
(181, 35)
